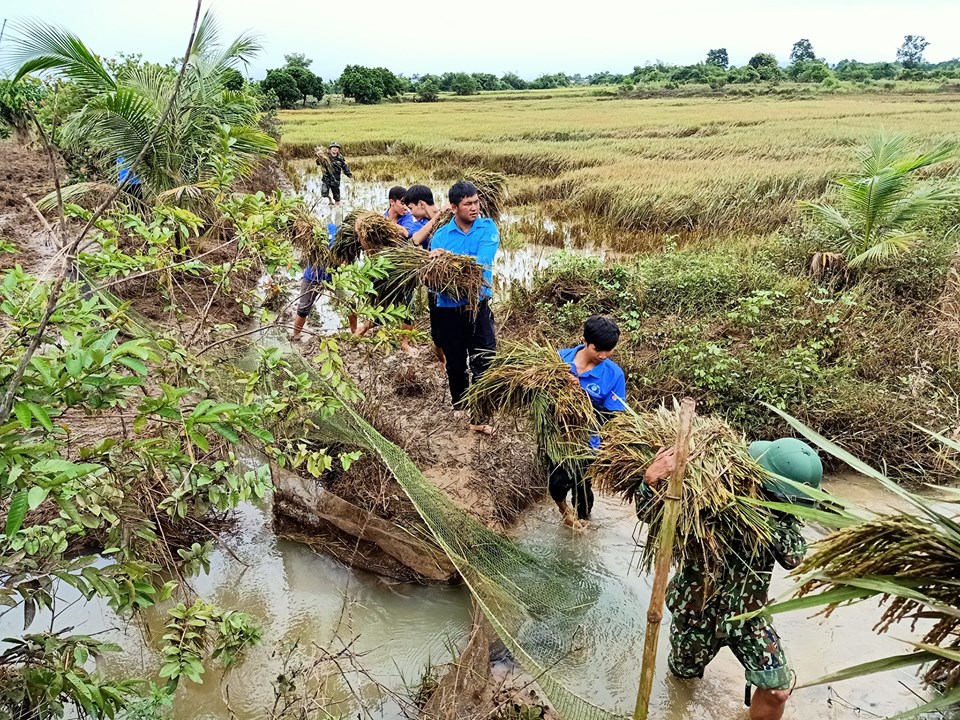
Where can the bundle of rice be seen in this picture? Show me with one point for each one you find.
(310, 237)
(459, 276)
(532, 379)
(716, 516)
(346, 247)
(912, 563)
(492, 190)
(375, 232)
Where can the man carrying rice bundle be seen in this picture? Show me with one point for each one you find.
(605, 384)
(333, 165)
(702, 602)
(463, 328)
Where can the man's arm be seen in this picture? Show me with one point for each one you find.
(421, 236)
(789, 547)
(346, 169)
(487, 250)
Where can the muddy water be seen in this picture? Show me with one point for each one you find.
(299, 596)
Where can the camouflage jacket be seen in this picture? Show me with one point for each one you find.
(332, 168)
(739, 585)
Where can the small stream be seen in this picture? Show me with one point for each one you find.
(300, 596)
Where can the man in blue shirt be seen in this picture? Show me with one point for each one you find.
(605, 384)
(466, 335)
(133, 187)
(424, 211)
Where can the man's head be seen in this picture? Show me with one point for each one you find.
(334, 148)
(791, 459)
(418, 199)
(395, 198)
(600, 337)
(465, 202)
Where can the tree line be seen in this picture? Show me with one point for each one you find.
(294, 83)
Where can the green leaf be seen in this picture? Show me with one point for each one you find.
(226, 431)
(199, 440)
(41, 415)
(19, 505)
(23, 414)
(944, 701)
(36, 495)
(138, 366)
(893, 662)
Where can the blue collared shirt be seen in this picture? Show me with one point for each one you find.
(605, 384)
(480, 242)
(320, 274)
(408, 222)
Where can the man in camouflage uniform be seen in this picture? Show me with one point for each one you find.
(334, 165)
(702, 601)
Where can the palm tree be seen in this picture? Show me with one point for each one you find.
(121, 110)
(876, 209)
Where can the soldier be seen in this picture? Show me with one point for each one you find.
(702, 604)
(333, 164)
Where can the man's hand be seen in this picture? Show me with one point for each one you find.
(438, 252)
(663, 464)
(573, 380)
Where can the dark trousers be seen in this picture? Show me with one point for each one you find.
(571, 475)
(466, 341)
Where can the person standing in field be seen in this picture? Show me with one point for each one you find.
(311, 286)
(605, 384)
(702, 603)
(466, 335)
(334, 166)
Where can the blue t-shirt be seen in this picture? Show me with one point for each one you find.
(408, 222)
(605, 385)
(125, 172)
(480, 242)
(320, 274)
(414, 226)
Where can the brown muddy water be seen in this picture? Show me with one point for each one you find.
(299, 596)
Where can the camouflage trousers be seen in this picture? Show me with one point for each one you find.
(696, 639)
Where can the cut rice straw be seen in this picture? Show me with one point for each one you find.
(531, 379)
(717, 517)
(457, 276)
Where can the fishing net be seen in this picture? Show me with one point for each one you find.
(535, 604)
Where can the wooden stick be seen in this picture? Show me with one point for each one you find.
(668, 531)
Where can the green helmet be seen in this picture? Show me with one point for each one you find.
(335, 145)
(792, 459)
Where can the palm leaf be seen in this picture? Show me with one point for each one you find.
(39, 46)
(893, 244)
(944, 701)
(893, 662)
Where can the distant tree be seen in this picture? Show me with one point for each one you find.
(605, 78)
(283, 85)
(363, 84)
(233, 80)
(512, 80)
(910, 54)
(766, 66)
(809, 71)
(548, 81)
(719, 58)
(802, 50)
(391, 83)
(405, 83)
(463, 84)
(486, 81)
(297, 60)
(307, 83)
(428, 90)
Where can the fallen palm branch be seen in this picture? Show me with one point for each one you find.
(532, 380)
(457, 276)
(717, 517)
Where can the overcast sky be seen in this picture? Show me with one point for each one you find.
(496, 36)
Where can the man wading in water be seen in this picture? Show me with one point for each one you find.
(605, 384)
(702, 603)
(464, 336)
(333, 164)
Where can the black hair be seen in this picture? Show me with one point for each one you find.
(601, 332)
(416, 193)
(461, 190)
(397, 192)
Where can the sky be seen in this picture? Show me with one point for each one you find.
(497, 36)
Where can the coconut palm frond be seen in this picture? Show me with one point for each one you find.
(78, 191)
(892, 245)
(920, 202)
(830, 215)
(39, 46)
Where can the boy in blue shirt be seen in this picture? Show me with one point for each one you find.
(314, 277)
(466, 336)
(605, 384)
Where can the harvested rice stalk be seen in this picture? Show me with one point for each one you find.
(459, 276)
(346, 247)
(310, 237)
(491, 189)
(532, 379)
(911, 562)
(716, 516)
(375, 232)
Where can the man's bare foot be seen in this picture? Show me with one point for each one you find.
(407, 348)
(293, 336)
(484, 428)
(459, 414)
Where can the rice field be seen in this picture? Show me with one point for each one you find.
(665, 165)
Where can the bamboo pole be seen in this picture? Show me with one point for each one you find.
(668, 530)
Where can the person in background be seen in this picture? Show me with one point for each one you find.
(334, 166)
(311, 286)
(605, 384)
(134, 186)
(466, 335)
(423, 209)
(701, 603)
